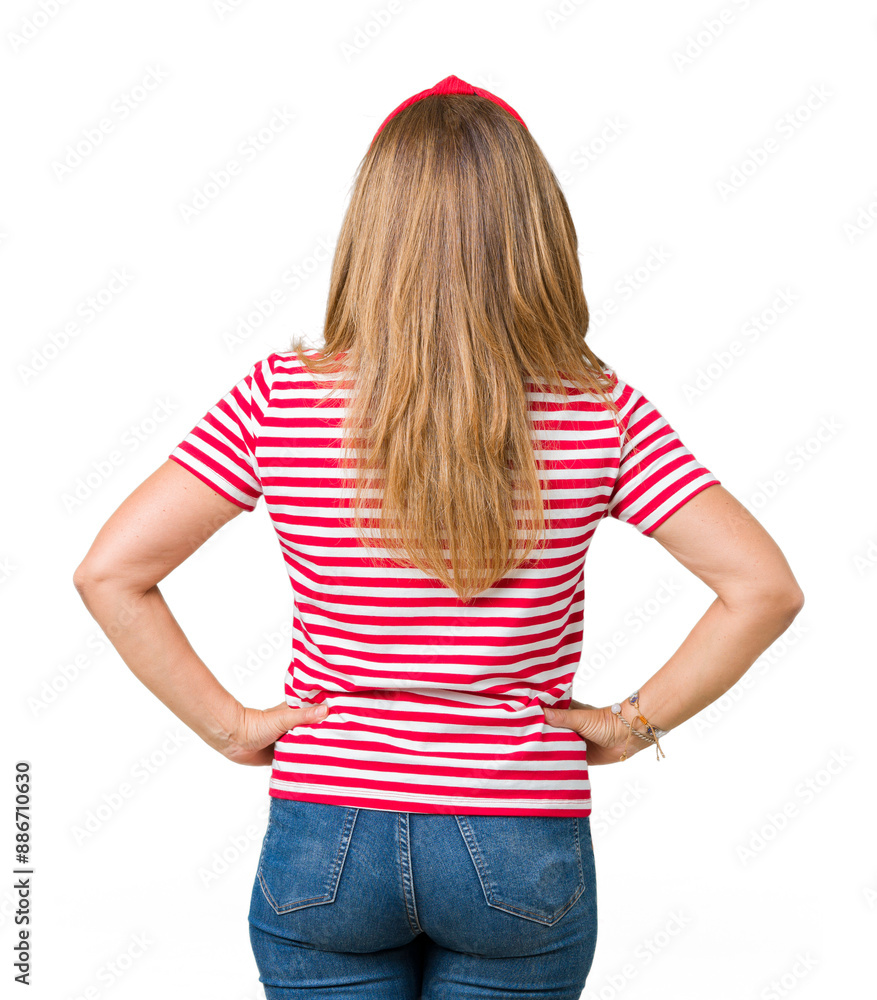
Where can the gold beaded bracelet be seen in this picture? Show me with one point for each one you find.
(653, 732)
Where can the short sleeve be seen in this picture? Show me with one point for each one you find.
(221, 448)
(657, 474)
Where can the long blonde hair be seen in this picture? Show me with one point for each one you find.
(455, 281)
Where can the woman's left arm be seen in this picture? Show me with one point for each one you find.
(167, 518)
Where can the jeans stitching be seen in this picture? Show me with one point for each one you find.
(343, 845)
(407, 880)
(485, 880)
(334, 872)
(475, 854)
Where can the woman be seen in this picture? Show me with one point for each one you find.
(435, 474)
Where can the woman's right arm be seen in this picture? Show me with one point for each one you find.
(757, 597)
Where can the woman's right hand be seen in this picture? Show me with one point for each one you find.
(256, 731)
(600, 728)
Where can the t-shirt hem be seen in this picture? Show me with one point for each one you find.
(246, 505)
(446, 805)
(681, 503)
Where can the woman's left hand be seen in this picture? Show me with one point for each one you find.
(604, 735)
(257, 730)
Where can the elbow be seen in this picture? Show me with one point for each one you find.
(92, 575)
(88, 575)
(82, 579)
(787, 596)
(796, 600)
(786, 605)
(782, 601)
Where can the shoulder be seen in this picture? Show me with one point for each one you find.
(625, 395)
(617, 389)
(287, 363)
(606, 377)
(275, 368)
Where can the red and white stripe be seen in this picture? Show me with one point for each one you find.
(435, 706)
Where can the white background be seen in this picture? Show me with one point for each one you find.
(706, 190)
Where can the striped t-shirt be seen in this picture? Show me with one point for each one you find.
(434, 706)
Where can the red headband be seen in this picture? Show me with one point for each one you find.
(452, 85)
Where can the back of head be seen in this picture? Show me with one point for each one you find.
(455, 284)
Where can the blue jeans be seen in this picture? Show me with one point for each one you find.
(364, 903)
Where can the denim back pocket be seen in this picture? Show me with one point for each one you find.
(303, 852)
(530, 866)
